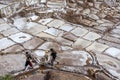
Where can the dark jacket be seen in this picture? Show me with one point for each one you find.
(54, 54)
(28, 57)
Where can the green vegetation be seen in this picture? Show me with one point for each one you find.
(6, 77)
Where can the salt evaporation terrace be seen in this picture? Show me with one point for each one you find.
(91, 47)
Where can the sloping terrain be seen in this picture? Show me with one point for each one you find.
(87, 40)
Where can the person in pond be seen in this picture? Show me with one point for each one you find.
(54, 55)
(28, 61)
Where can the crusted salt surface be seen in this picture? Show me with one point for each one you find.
(20, 37)
(92, 36)
(66, 27)
(113, 52)
(39, 53)
(4, 27)
(79, 31)
(5, 43)
(53, 31)
(115, 73)
(20, 23)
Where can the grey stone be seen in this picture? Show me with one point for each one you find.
(87, 22)
(53, 4)
(94, 11)
(100, 21)
(93, 24)
(86, 12)
(102, 15)
(107, 24)
(93, 16)
(97, 5)
(34, 17)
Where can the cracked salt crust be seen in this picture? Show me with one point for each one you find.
(79, 31)
(4, 26)
(10, 31)
(56, 23)
(97, 47)
(92, 36)
(20, 23)
(67, 27)
(5, 43)
(115, 73)
(113, 52)
(20, 37)
(53, 31)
